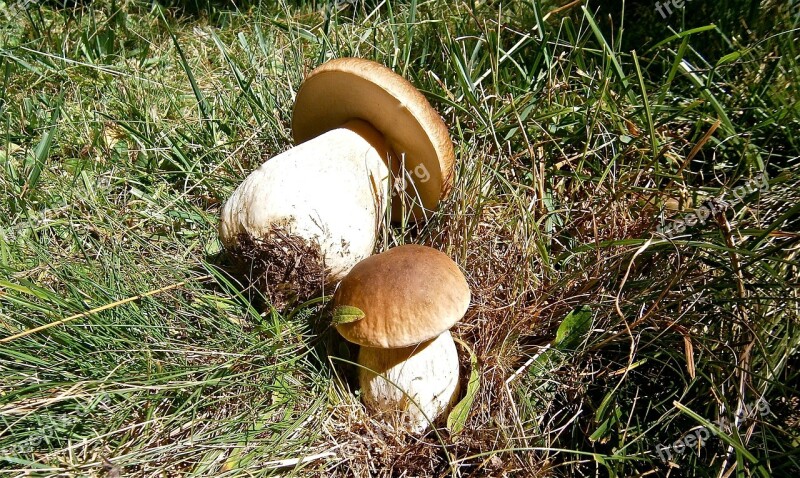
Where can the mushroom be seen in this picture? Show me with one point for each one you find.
(409, 297)
(361, 132)
(410, 387)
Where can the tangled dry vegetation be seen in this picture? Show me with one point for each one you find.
(127, 125)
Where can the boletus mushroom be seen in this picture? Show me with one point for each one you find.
(362, 133)
(408, 298)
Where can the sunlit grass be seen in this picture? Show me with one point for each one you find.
(126, 124)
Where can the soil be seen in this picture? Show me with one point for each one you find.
(286, 268)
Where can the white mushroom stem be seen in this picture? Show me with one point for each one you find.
(412, 386)
(331, 190)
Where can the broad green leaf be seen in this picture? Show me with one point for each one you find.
(574, 328)
(344, 314)
(458, 416)
(569, 335)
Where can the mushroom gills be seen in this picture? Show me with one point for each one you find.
(331, 190)
(410, 387)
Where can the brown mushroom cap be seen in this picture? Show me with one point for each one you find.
(408, 294)
(353, 88)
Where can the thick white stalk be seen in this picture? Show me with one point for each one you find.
(331, 190)
(410, 387)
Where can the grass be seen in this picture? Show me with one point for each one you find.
(579, 127)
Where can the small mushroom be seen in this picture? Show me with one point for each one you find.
(361, 132)
(410, 296)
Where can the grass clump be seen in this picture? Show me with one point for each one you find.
(581, 131)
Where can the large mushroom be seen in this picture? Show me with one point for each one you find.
(362, 133)
(409, 297)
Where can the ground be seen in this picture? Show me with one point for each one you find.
(626, 193)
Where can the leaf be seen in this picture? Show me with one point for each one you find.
(345, 314)
(573, 328)
(458, 416)
(605, 428)
(608, 399)
(732, 440)
(569, 335)
(547, 361)
(42, 152)
(729, 58)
